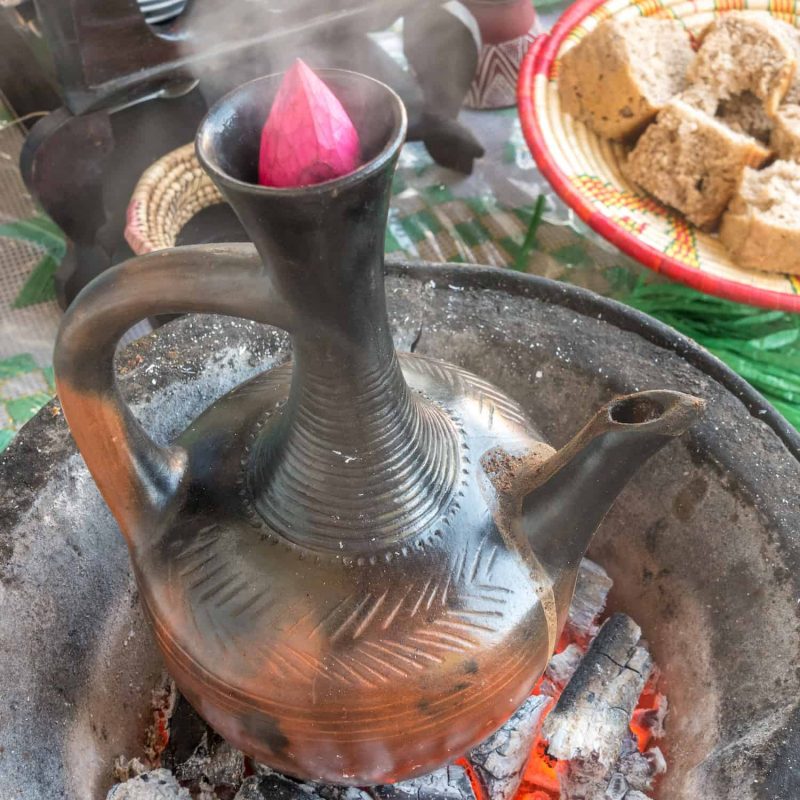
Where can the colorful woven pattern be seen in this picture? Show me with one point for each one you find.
(586, 172)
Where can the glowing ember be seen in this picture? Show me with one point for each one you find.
(540, 780)
(308, 137)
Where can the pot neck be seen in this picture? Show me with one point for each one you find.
(322, 249)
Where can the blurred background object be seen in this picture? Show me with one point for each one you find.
(503, 214)
(125, 81)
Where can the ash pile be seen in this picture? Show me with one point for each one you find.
(588, 732)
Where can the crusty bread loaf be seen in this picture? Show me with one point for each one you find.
(785, 139)
(618, 77)
(692, 162)
(746, 52)
(761, 228)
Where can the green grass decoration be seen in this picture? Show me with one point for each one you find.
(43, 232)
(521, 261)
(763, 347)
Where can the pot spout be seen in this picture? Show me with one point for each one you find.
(568, 496)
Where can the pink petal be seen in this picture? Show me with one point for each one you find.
(308, 136)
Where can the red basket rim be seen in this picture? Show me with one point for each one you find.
(538, 61)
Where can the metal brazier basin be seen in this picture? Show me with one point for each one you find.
(707, 561)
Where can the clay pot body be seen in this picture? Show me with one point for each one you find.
(357, 565)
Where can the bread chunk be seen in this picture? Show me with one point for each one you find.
(746, 52)
(785, 139)
(692, 162)
(618, 77)
(744, 113)
(761, 228)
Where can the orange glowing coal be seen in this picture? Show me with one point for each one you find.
(540, 779)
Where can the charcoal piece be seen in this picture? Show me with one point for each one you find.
(592, 717)
(500, 760)
(186, 732)
(652, 719)
(271, 785)
(591, 591)
(585, 779)
(560, 670)
(215, 761)
(160, 784)
(638, 768)
(630, 777)
(447, 783)
(617, 787)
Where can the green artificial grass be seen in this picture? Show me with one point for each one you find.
(762, 346)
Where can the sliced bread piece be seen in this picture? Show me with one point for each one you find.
(785, 139)
(744, 113)
(793, 94)
(618, 77)
(746, 52)
(761, 228)
(692, 162)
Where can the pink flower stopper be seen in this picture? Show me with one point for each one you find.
(308, 137)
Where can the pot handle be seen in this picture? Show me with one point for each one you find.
(137, 477)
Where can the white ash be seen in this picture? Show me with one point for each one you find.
(125, 769)
(631, 777)
(591, 592)
(214, 762)
(448, 783)
(652, 719)
(593, 714)
(560, 670)
(500, 760)
(160, 784)
(270, 785)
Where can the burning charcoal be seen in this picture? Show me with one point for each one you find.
(617, 787)
(588, 602)
(187, 731)
(447, 783)
(652, 719)
(560, 670)
(271, 785)
(160, 784)
(500, 760)
(214, 762)
(585, 779)
(592, 716)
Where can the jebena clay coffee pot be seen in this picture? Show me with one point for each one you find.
(357, 565)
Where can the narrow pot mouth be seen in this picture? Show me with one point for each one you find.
(229, 137)
(658, 410)
(637, 410)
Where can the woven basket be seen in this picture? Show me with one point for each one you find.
(585, 169)
(169, 193)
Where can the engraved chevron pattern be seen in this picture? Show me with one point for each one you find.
(371, 639)
(453, 610)
(219, 597)
(491, 400)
